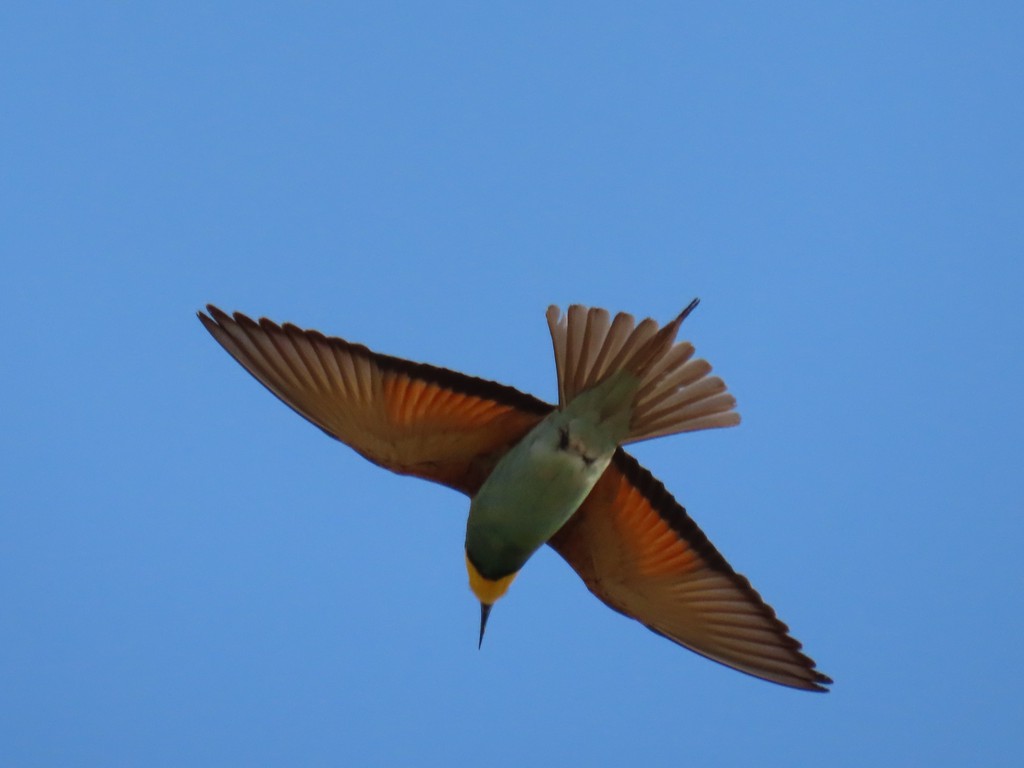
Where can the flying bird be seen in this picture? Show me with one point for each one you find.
(538, 473)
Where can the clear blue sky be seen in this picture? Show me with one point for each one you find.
(192, 575)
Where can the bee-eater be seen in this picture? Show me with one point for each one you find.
(542, 474)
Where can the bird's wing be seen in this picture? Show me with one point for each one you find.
(408, 417)
(636, 548)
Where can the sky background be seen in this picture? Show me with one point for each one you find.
(192, 575)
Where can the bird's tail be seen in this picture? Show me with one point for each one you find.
(675, 392)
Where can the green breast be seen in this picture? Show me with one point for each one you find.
(532, 492)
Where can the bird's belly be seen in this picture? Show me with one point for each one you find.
(532, 492)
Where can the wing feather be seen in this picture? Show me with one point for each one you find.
(636, 549)
(408, 417)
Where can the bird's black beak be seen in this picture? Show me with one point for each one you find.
(485, 611)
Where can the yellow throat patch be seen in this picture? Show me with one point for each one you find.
(486, 590)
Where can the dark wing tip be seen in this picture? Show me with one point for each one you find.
(216, 312)
(817, 683)
(211, 321)
(220, 317)
(821, 681)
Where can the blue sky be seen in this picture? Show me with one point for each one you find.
(192, 575)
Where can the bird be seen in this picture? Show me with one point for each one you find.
(539, 473)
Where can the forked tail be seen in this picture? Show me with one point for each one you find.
(675, 393)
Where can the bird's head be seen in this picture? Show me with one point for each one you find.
(487, 591)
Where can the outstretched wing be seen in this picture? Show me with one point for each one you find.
(637, 549)
(408, 417)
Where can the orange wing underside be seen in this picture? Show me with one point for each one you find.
(636, 548)
(408, 417)
(654, 550)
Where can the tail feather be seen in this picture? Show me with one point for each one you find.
(614, 339)
(670, 363)
(675, 393)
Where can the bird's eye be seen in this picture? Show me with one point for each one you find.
(563, 438)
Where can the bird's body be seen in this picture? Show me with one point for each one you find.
(542, 481)
(540, 474)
